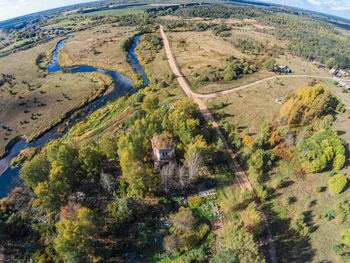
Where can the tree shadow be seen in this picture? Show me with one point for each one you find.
(290, 247)
(347, 155)
(341, 133)
(313, 203)
(286, 184)
(226, 115)
(309, 221)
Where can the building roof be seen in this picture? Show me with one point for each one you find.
(162, 141)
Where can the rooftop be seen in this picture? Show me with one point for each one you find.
(161, 141)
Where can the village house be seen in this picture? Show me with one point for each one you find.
(285, 69)
(341, 83)
(343, 73)
(163, 151)
(336, 79)
(333, 71)
(281, 69)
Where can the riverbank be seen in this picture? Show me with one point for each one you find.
(101, 47)
(59, 120)
(122, 85)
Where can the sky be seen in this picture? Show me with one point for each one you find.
(334, 7)
(13, 8)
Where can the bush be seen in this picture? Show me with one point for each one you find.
(337, 183)
(260, 192)
(139, 97)
(336, 248)
(195, 201)
(319, 189)
(345, 236)
(299, 225)
(256, 224)
(332, 173)
(330, 215)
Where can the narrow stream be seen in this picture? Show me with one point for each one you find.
(9, 177)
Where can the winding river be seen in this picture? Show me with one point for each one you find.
(9, 177)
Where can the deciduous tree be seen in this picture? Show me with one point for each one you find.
(75, 234)
(35, 171)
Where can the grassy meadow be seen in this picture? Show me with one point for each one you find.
(253, 106)
(36, 100)
(197, 52)
(300, 195)
(99, 47)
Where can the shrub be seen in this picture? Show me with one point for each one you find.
(256, 224)
(336, 248)
(337, 183)
(299, 225)
(319, 189)
(260, 192)
(345, 236)
(139, 97)
(339, 162)
(332, 173)
(195, 201)
(330, 215)
(247, 140)
(277, 182)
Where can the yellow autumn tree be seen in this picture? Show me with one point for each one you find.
(74, 234)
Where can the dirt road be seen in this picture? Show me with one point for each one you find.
(220, 93)
(240, 177)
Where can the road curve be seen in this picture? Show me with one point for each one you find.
(240, 177)
(220, 93)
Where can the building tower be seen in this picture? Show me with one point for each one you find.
(163, 151)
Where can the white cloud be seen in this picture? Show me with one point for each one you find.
(314, 2)
(333, 7)
(14, 8)
(334, 4)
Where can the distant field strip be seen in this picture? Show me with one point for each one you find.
(120, 11)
